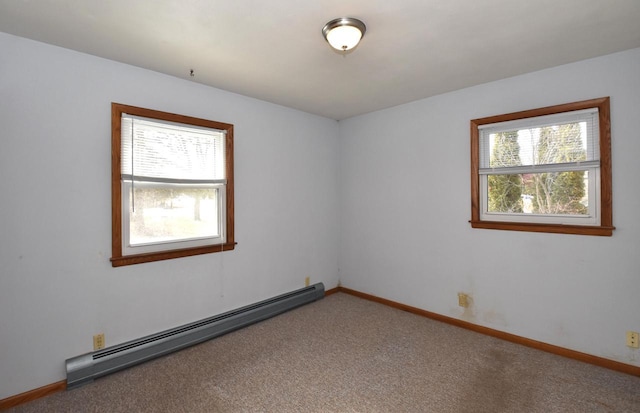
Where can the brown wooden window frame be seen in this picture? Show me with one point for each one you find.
(605, 227)
(118, 258)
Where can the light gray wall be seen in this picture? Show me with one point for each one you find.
(405, 206)
(57, 287)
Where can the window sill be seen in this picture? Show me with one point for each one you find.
(551, 228)
(167, 255)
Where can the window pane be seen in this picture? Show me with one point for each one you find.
(549, 193)
(561, 143)
(161, 213)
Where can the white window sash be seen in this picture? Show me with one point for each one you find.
(591, 218)
(168, 245)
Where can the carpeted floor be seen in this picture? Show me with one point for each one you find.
(345, 354)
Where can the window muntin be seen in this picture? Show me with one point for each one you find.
(543, 170)
(172, 185)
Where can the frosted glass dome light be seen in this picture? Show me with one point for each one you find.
(344, 33)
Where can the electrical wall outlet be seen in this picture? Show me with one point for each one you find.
(463, 300)
(98, 341)
(633, 339)
(307, 280)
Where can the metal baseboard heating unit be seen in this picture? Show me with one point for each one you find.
(87, 367)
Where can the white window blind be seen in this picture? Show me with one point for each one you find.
(161, 151)
(538, 141)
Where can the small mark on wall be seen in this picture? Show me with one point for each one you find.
(494, 317)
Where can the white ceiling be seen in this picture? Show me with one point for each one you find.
(274, 50)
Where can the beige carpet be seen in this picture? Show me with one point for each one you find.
(345, 354)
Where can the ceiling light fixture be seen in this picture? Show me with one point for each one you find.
(344, 33)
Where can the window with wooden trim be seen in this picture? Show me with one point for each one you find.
(171, 185)
(544, 170)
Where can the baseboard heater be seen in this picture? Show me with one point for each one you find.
(85, 368)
